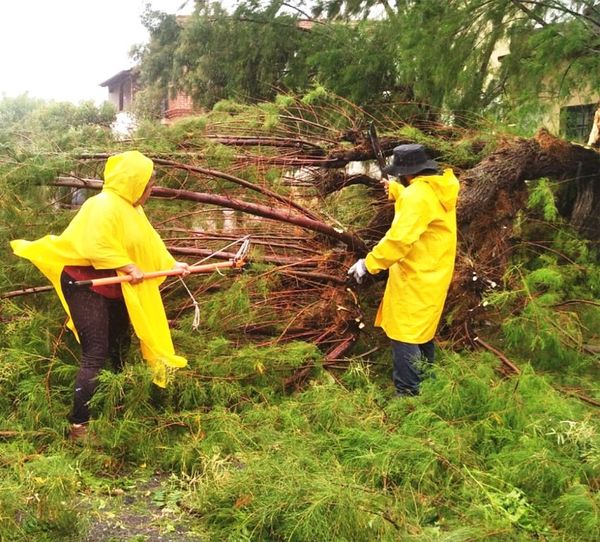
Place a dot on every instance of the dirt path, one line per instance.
(145, 512)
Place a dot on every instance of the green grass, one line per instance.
(475, 457)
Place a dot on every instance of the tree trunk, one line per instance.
(494, 190)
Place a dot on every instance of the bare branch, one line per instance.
(353, 242)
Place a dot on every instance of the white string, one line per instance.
(196, 321)
(240, 240)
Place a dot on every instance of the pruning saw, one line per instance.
(377, 149)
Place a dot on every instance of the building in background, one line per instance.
(122, 88)
(572, 117)
(575, 117)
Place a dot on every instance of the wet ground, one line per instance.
(144, 512)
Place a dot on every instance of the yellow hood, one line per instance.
(445, 187)
(127, 175)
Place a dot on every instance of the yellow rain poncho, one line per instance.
(108, 232)
(419, 251)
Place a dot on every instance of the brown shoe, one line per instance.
(78, 432)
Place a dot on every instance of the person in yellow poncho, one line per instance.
(419, 250)
(110, 235)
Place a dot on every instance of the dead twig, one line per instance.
(500, 355)
(26, 291)
(579, 396)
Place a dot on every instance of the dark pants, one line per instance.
(408, 360)
(104, 333)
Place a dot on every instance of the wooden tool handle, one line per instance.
(206, 268)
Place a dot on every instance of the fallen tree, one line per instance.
(309, 249)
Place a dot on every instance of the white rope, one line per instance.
(196, 321)
(240, 240)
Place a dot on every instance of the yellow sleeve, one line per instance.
(394, 190)
(411, 219)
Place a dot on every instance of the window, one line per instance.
(576, 121)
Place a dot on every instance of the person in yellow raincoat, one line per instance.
(419, 250)
(110, 235)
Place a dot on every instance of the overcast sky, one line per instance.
(63, 49)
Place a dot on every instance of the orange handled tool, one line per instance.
(237, 262)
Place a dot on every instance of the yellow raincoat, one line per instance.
(419, 251)
(108, 232)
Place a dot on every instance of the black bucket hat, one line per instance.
(409, 160)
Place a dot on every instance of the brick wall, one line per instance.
(179, 106)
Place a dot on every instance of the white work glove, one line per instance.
(358, 271)
(183, 266)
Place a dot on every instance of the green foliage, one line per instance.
(148, 103)
(150, 136)
(556, 59)
(284, 100)
(551, 339)
(228, 106)
(271, 115)
(317, 95)
(216, 55)
(232, 302)
(219, 156)
(471, 454)
(53, 116)
(327, 463)
(441, 56)
(543, 311)
(39, 494)
(544, 279)
(577, 510)
(164, 35)
(464, 152)
(346, 206)
(356, 61)
(541, 198)
(29, 126)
